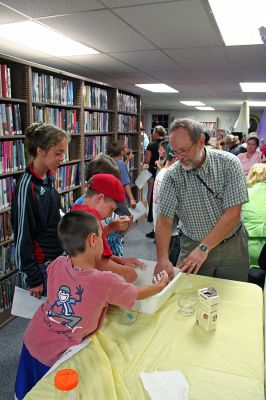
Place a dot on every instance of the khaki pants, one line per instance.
(228, 260)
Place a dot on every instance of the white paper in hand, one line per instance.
(138, 212)
(170, 385)
(142, 178)
(25, 305)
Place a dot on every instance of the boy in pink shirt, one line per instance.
(77, 299)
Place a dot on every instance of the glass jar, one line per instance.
(67, 381)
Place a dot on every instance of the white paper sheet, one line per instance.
(142, 178)
(138, 212)
(25, 305)
(170, 385)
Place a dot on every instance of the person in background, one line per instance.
(145, 138)
(206, 189)
(254, 212)
(174, 246)
(78, 297)
(252, 156)
(162, 155)
(115, 226)
(151, 156)
(233, 144)
(36, 204)
(118, 151)
(104, 195)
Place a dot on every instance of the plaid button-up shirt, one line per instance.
(198, 209)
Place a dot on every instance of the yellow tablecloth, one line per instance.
(225, 364)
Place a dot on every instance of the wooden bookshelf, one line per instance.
(91, 112)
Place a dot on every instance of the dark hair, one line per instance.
(207, 137)
(73, 230)
(164, 144)
(43, 136)
(115, 148)
(255, 139)
(102, 164)
(193, 127)
(160, 130)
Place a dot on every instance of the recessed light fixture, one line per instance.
(157, 87)
(39, 37)
(254, 87)
(257, 103)
(239, 20)
(192, 103)
(205, 108)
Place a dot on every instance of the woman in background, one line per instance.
(251, 157)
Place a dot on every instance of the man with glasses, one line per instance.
(206, 189)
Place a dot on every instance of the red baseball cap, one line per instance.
(110, 186)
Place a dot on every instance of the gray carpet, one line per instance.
(136, 245)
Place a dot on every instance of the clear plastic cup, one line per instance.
(187, 303)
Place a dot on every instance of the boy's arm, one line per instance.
(107, 264)
(147, 291)
(128, 191)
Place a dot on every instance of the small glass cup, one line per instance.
(128, 317)
(187, 304)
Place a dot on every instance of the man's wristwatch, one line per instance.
(203, 247)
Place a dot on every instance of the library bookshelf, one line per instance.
(91, 112)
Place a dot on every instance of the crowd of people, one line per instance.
(208, 208)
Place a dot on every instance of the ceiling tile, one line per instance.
(203, 57)
(7, 16)
(149, 60)
(212, 75)
(123, 3)
(170, 77)
(63, 65)
(101, 30)
(100, 63)
(46, 8)
(247, 56)
(172, 25)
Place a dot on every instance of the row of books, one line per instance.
(5, 81)
(50, 89)
(12, 156)
(60, 117)
(67, 201)
(10, 119)
(5, 227)
(96, 122)
(127, 103)
(95, 97)
(67, 177)
(7, 186)
(7, 259)
(127, 123)
(7, 288)
(129, 141)
(94, 145)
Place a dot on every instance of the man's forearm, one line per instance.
(163, 236)
(223, 226)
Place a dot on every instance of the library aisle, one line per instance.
(12, 333)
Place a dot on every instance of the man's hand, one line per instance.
(132, 203)
(193, 261)
(36, 291)
(164, 265)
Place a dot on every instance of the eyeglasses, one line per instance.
(183, 152)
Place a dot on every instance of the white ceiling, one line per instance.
(148, 41)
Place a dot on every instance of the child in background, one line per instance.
(104, 195)
(78, 297)
(35, 205)
(118, 151)
(162, 155)
(114, 225)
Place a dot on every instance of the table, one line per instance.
(224, 364)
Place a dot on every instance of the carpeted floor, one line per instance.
(136, 245)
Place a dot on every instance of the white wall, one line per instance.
(225, 119)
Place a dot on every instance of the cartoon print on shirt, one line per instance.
(65, 301)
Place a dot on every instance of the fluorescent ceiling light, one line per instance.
(257, 103)
(157, 87)
(254, 87)
(239, 20)
(192, 103)
(41, 38)
(205, 108)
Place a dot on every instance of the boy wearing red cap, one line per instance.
(105, 193)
